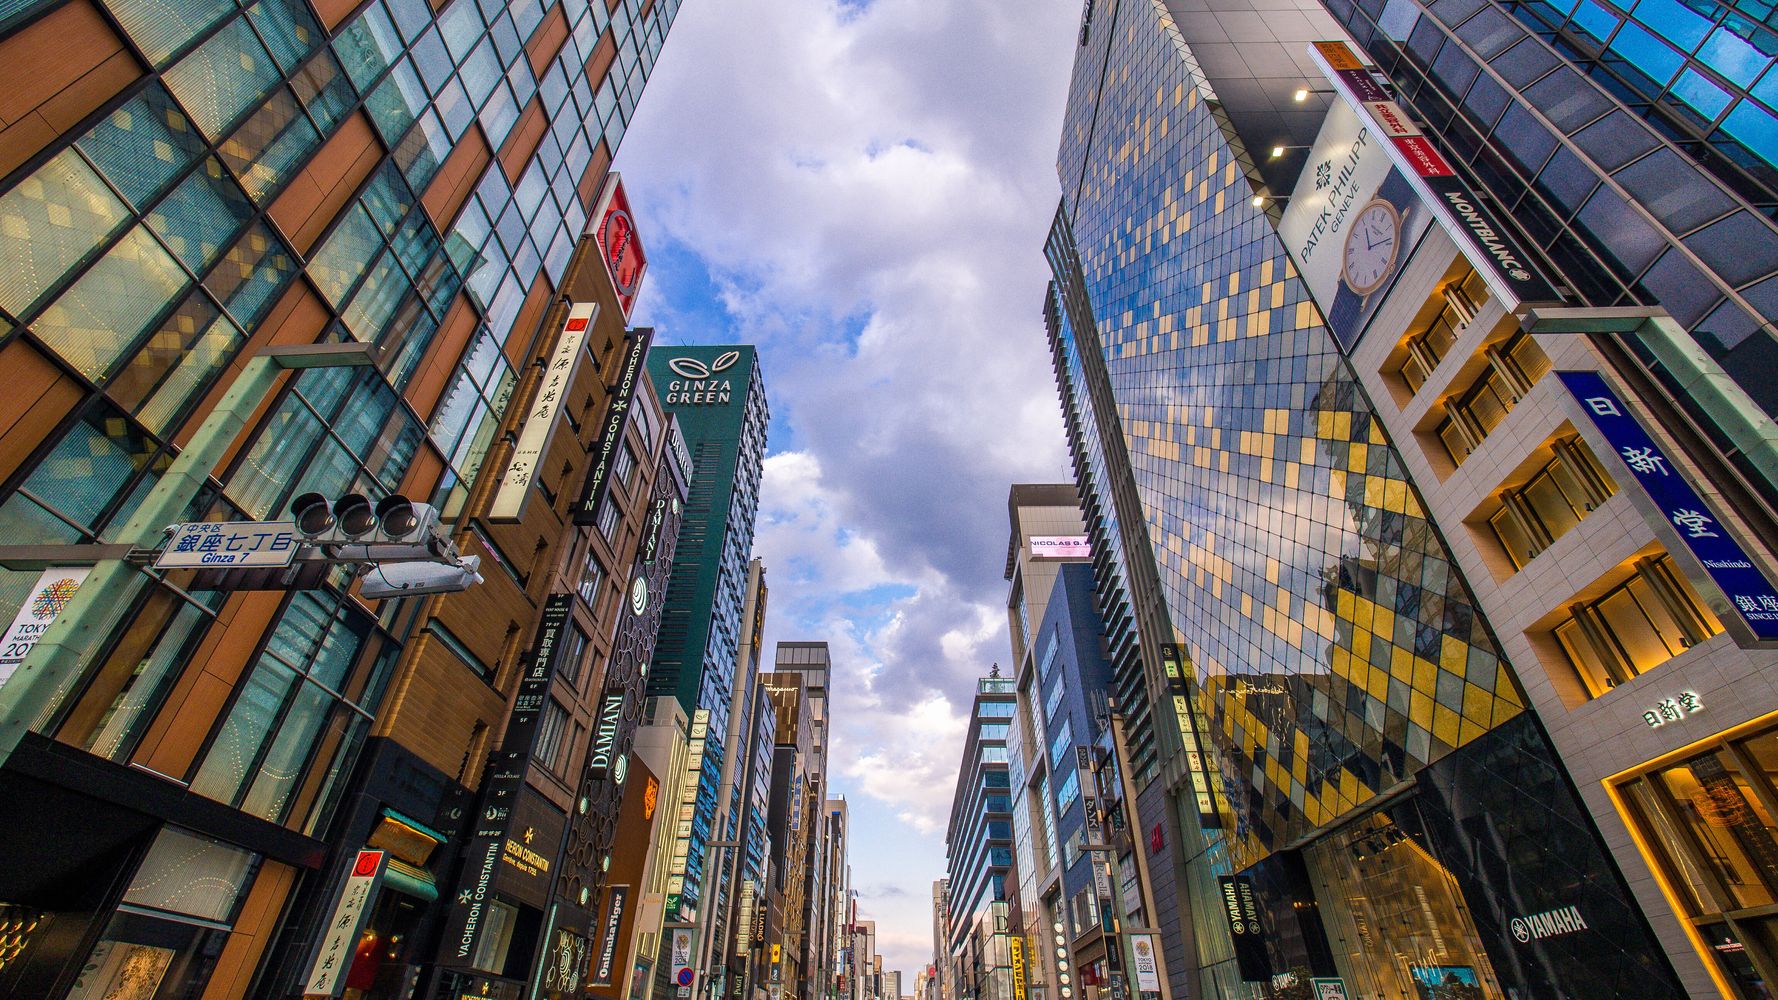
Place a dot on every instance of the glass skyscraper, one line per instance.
(182, 186)
(1324, 687)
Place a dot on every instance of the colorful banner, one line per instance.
(1143, 963)
(48, 597)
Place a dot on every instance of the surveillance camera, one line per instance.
(408, 579)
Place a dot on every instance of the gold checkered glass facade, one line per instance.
(1336, 649)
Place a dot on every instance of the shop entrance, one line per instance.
(1394, 917)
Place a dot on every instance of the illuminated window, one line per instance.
(1636, 626)
(1554, 500)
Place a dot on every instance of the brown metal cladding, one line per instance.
(253, 930)
(59, 69)
(36, 399)
(171, 745)
(321, 189)
(456, 178)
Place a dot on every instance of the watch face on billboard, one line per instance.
(1372, 246)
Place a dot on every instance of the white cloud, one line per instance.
(867, 188)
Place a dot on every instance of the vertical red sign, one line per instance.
(615, 229)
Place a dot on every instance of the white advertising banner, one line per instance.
(540, 422)
(1061, 547)
(52, 592)
(1345, 168)
(1148, 979)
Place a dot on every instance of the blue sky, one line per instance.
(861, 189)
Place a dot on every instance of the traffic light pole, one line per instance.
(55, 663)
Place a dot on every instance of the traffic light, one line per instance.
(394, 529)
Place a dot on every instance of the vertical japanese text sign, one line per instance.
(1751, 599)
(540, 421)
(339, 943)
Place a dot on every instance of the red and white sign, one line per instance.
(341, 941)
(539, 425)
(615, 229)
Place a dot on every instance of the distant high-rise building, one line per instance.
(1046, 533)
(978, 848)
(718, 396)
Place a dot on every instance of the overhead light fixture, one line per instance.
(1302, 93)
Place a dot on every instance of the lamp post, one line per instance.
(55, 663)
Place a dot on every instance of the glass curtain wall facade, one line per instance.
(1633, 143)
(181, 187)
(1332, 656)
(978, 849)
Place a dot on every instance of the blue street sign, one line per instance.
(1751, 596)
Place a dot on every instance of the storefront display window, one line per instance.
(1707, 825)
(164, 938)
(1400, 928)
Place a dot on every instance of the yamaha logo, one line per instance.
(693, 368)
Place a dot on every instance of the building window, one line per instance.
(1067, 792)
(299, 715)
(178, 907)
(1463, 296)
(1054, 701)
(549, 735)
(608, 521)
(1555, 499)
(1513, 368)
(591, 576)
(1707, 825)
(573, 651)
(1059, 743)
(1638, 625)
(623, 465)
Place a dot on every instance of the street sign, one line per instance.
(684, 978)
(236, 544)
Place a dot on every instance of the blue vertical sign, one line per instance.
(1751, 596)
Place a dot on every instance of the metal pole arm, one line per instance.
(54, 665)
